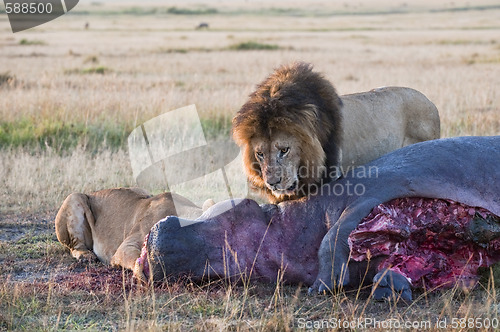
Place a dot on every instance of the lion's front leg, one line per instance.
(127, 253)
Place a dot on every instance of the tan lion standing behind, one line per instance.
(112, 223)
(296, 133)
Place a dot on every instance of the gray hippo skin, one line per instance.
(241, 241)
(284, 241)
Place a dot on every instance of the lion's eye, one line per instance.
(259, 155)
(284, 151)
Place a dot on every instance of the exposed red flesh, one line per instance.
(425, 240)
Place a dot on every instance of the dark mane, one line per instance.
(297, 100)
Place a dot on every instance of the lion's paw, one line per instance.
(84, 256)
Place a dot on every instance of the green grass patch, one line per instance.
(91, 70)
(62, 136)
(36, 246)
(142, 11)
(192, 11)
(216, 126)
(25, 41)
(466, 42)
(30, 246)
(96, 70)
(253, 45)
(185, 50)
(91, 59)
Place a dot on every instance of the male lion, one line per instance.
(112, 223)
(297, 133)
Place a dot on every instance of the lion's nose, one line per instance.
(273, 182)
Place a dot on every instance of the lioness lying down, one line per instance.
(111, 223)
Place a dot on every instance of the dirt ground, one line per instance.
(29, 250)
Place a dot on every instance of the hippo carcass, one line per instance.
(306, 241)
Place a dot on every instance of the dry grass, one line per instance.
(31, 182)
(155, 63)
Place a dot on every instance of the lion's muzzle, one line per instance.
(288, 190)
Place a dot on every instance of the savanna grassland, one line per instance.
(70, 96)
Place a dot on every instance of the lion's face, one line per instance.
(286, 129)
(278, 159)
